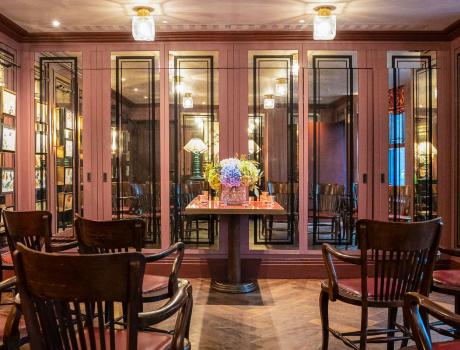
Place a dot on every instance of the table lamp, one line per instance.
(196, 146)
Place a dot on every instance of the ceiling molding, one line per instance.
(21, 35)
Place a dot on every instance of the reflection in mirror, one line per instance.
(58, 158)
(412, 151)
(135, 140)
(194, 142)
(332, 149)
(273, 143)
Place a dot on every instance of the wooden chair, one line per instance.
(99, 237)
(62, 294)
(447, 281)
(395, 258)
(416, 304)
(33, 229)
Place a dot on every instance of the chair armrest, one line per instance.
(328, 253)
(177, 301)
(179, 247)
(7, 284)
(413, 302)
(450, 251)
(59, 247)
(11, 334)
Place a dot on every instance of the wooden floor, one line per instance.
(283, 314)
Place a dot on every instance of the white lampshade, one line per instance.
(281, 87)
(143, 24)
(324, 24)
(269, 102)
(425, 148)
(196, 145)
(187, 100)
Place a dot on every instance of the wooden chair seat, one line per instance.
(350, 291)
(447, 279)
(449, 345)
(7, 260)
(154, 283)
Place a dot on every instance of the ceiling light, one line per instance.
(187, 101)
(269, 102)
(136, 89)
(143, 24)
(55, 23)
(301, 21)
(179, 84)
(123, 79)
(145, 97)
(165, 21)
(324, 25)
(281, 87)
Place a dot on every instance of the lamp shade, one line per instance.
(425, 148)
(269, 102)
(143, 24)
(187, 100)
(324, 24)
(196, 145)
(281, 87)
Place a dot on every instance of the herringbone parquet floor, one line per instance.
(283, 314)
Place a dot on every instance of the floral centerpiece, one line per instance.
(232, 178)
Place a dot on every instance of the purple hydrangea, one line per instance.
(230, 174)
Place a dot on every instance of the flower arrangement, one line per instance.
(233, 172)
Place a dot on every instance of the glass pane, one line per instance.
(194, 141)
(136, 139)
(332, 148)
(8, 103)
(58, 157)
(412, 151)
(273, 143)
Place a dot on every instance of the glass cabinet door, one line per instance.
(58, 158)
(273, 142)
(194, 141)
(412, 141)
(135, 139)
(332, 148)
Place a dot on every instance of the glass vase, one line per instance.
(237, 195)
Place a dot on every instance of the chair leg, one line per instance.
(364, 319)
(392, 313)
(324, 310)
(457, 304)
(407, 326)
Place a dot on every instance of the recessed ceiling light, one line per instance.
(302, 21)
(55, 23)
(123, 79)
(165, 21)
(136, 89)
(145, 97)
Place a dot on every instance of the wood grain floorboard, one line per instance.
(282, 314)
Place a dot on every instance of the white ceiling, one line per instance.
(204, 15)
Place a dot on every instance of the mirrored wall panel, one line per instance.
(194, 141)
(273, 142)
(8, 115)
(135, 139)
(412, 139)
(332, 148)
(58, 158)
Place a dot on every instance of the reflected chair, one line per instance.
(288, 198)
(401, 202)
(395, 258)
(415, 305)
(99, 237)
(61, 295)
(327, 214)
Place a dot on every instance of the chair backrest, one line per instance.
(31, 228)
(329, 196)
(96, 237)
(60, 294)
(403, 256)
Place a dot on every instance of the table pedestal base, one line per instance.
(234, 288)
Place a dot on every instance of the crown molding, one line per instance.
(19, 34)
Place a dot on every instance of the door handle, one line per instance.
(382, 178)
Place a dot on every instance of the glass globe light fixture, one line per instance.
(281, 87)
(187, 101)
(269, 102)
(143, 24)
(324, 24)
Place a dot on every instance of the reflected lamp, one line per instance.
(143, 24)
(269, 102)
(187, 101)
(324, 23)
(196, 147)
(281, 87)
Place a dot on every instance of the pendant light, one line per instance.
(324, 25)
(281, 87)
(143, 24)
(269, 102)
(187, 100)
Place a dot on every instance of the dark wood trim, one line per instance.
(19, 34)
